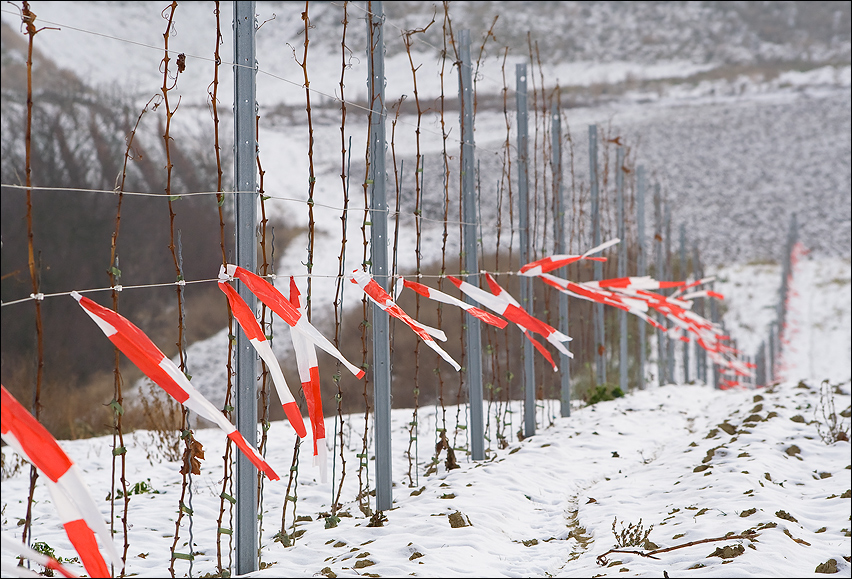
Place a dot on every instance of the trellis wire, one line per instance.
(389, 212)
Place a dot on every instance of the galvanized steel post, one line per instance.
(622, 266)
(472, 334)
(523, 226)
(660, 274)
(700, 353)
(760, 378)
(559, 235)
(600, 347)
(684, 269)
(640, 262)
(714, 317)
(379, 253)
(245, 204)
(772, 346)
(670, 358)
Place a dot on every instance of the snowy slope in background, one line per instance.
(734, 155)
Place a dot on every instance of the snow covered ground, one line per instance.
(693, 462)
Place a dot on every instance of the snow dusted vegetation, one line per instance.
(740, 113)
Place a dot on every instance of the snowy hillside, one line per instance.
(734, 149)
(739, 122)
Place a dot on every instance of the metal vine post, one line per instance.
(547, 375)
(461, 375)
(245, 230)
(641, 262)
(377, 178)
(526, 299)
(622, 267)
(559, 247)
(667, 225)
(684, 269)
(506, 180)
(470, 234)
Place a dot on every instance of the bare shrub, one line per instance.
(162, 424)
(831, 425)
(632, 536)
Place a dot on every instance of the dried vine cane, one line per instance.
(224, 495)
(495, 385)
(193, 451)
(535, 108)
(282, 536)
(441, 431)
(451, 463)
(507, 178)
(398, 178)
(338, 295)
(418, 192)
(267, 330)
(118, 448)
(169, 84)
(488, 34)
(28, 18)
(311, 175)
(541, 116)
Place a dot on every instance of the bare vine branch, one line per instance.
(748, 535)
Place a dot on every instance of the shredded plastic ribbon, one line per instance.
(306, 360)
(158, 367)
(306, 338)
(76, 508)
(440, 296)
(501, 302)
(381, 298)
(552, 262)
(253, 331)
(270, 296)
(632, 294)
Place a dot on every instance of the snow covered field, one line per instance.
(693, 462)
